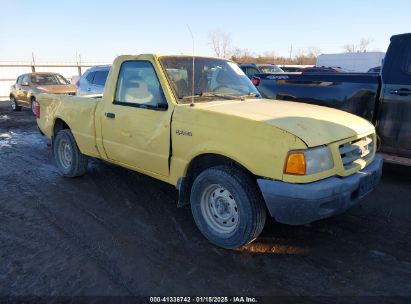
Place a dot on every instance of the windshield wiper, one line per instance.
(226, 96)
(213, 94)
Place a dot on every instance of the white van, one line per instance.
(352, 62)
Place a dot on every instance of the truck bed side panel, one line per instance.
(77, 112)
(356, 93)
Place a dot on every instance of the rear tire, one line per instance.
(69, 160)
(33, 104)
(227, 206)
(14, 105)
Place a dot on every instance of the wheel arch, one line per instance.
(197, 165)
(59, 124)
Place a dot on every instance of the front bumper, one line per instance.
(299, 204)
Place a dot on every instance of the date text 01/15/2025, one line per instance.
(240, 299)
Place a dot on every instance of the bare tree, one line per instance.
(349, 48)
(364, 43)
(269, 56)
(357, 48)
(242, 55)
(220, 42)
(302, 56)
(313, 51)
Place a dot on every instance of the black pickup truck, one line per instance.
(384, 99)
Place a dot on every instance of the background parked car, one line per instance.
(93, 80)
(269, 68)
(290, 69)
(23, 93)
(250, 69)
(352, 62)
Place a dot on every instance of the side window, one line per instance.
(406, 64)
(20, 79)
(138, 85)
(100, 78)
(397, 62)
(90, 77)
(25, 79)
(250, 72)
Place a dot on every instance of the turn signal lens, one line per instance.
(295, 163)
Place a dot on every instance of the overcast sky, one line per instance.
(101, 30)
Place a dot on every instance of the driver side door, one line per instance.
(136, 124)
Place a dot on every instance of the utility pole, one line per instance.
(79, 64)
(33, 67)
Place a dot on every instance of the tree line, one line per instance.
(221, 44)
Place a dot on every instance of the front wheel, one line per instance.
(227, 207)
(69, 160)
(14, 105)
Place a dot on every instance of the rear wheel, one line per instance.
(33, 105)
(14, 105)
(227, 206)
(69, 160)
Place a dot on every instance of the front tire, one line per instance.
(227, 207)
(14, 105)
(69, 160)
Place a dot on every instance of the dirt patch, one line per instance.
(117, 232)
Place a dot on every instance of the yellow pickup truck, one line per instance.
(199, 123)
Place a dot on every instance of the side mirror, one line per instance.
(24, 83)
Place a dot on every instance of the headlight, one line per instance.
(310, 161)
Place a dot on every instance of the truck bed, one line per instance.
(74, 112)
(356, 93)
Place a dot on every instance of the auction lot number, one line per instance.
(203, 300)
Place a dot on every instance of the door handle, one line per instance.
(110, 115)
(88, 89)
(401, 92)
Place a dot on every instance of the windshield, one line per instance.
(48, 79)
(271, 69)
(213, 79)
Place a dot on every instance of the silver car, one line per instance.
(93, 80)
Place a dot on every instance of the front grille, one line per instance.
(351, 152)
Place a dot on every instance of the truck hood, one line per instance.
(315, 125)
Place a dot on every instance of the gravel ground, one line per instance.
(117, 232)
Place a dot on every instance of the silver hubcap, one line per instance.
(219, 209)
(65, 154)
(13, 103)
